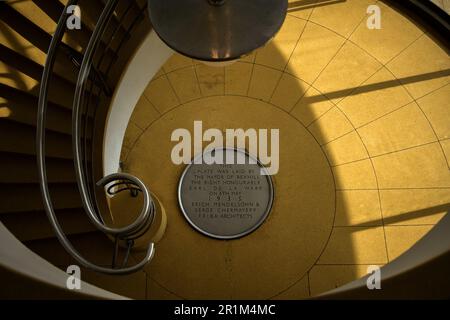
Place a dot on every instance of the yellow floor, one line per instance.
(365, 153)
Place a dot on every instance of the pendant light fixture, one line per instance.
(216, 30)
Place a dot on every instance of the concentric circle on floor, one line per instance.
(273, 257)
(376, 101)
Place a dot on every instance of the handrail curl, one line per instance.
(147, 213)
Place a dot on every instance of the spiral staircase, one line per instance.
(27, 29)
(27, 32)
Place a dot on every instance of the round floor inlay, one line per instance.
(223, 199)
(292, 237)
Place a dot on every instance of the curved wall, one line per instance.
(25, 275)
(147, 60)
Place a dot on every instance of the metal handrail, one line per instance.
(147, 213)
(99, 76)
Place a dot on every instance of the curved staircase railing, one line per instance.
(90, 77)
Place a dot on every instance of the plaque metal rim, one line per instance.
(246, 232)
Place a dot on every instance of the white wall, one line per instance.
(19, 259)
(146, 62)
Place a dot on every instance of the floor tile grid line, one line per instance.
(149, 277)
(385, 154)
(191, 63)
(311, 86)
(394, 189)
(317, 77)
(198, 81)
(348, 40)
(173, 88)
(335, 205)
(392, 152)
(125, 158)
(338, 137)
(389, 225)
(408, 148)
(289, 58)
(377, 179)
(216, 95)
(371, 226)
(139, 128)
(432, 128)
(439, 141)
(251, 72)
(374, 120)
(152, 105)
(380, 117)
(185, 67)
(367, 151)
(157, 77)
(331, 60)
(335, 104)
(161, 71)
(416, 100)
(285, 67)
(363, 225)
(306, 275)
(397, 109)
(335, 202)
(383, 65)
(246, 62)
(224, 81)
(239, 61)
(377, 184)
(424, 114)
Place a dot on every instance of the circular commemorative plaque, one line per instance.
(225, 194)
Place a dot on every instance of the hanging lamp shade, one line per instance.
(216, 30)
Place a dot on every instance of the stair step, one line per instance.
(94, 246)
(53, 10)
(21, 138)
(34, 225)
(62, 90)
(20, 168)
(38, 37)
(80, 37)
(23, 106)
(35, 14)
(27, 197)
